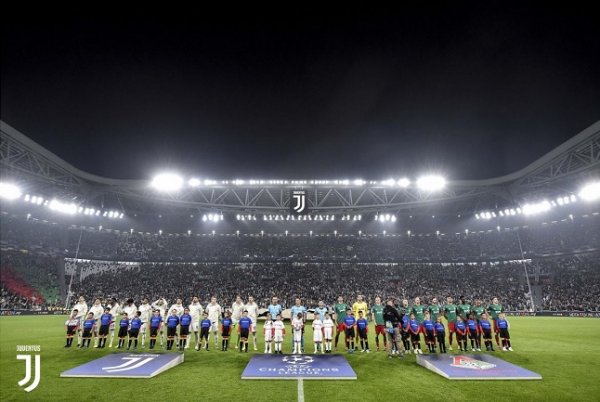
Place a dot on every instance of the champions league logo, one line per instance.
(470, 363)
(291, 367)
(294, 360)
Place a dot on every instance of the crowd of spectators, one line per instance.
(312, 267)
(561, 237)
(326, 281)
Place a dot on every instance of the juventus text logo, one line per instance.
(298, 202)
(27, 378)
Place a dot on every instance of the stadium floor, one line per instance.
(565, 351)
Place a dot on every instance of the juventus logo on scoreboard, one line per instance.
(298, 202)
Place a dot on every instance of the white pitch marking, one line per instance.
(300, 390)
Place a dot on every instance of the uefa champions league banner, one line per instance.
(127, 365)
(475, 367)
(295, 367)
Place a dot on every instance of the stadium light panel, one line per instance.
(9, 191)
(194, 182)
(389, 182)
(27, 196)
(62, 207)
(359, 182)
(167, 182)
(404, 182)
(590, 192)
(431, 183)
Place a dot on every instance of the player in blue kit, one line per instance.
(503, 326)
(414, 328)
(89, 325)
(226, 325)
(184, 328)
(363, 328)
(172, 323)
(245, 323)
(274, 308)
(105, 320)
(123, 326)
(473, 328)
(485, 328)
(205, 325)
(349, 323)
(429, 329)
(134, 330)
(440, 334)
(404, 333)
(155, 326)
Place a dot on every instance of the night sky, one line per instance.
(473, 91)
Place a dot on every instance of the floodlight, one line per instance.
(404, 182)
(167, 182)
(9, 191)
(359, 182)
(194, 182)
(65, 208)
(590, 192)
(431, 183)
(388, 182)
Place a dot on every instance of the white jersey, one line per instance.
(279, 330)
(178, 308)
(161, 305)
(146, 311)
(252, 310)
(317, 330)
(214, 312)
(268, 328)
(115, 310)
(97, 310)
(195, 311)
(82, 310)
(328, 328)
(297, 324)
(130, 310)
(236, 312)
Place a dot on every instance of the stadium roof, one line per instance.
(38, 170)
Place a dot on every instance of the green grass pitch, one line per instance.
(565, 351)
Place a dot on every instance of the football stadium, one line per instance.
(302, 248)
(165, 233)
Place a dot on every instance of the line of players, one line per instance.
(152, 319)
(399, 323)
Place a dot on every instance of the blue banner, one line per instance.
(127, 365)
(295, 367)
(475, 367)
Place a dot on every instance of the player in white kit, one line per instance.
(268, 332)
(82, 310)
(252, 309)
(146, 310)
(278, 333)
(195, 311)
(297, 325)
(236, 313)
(97, 310)
(214, 315)
(328, 326)
(161, 305)
(317, 326)
(115, 310)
